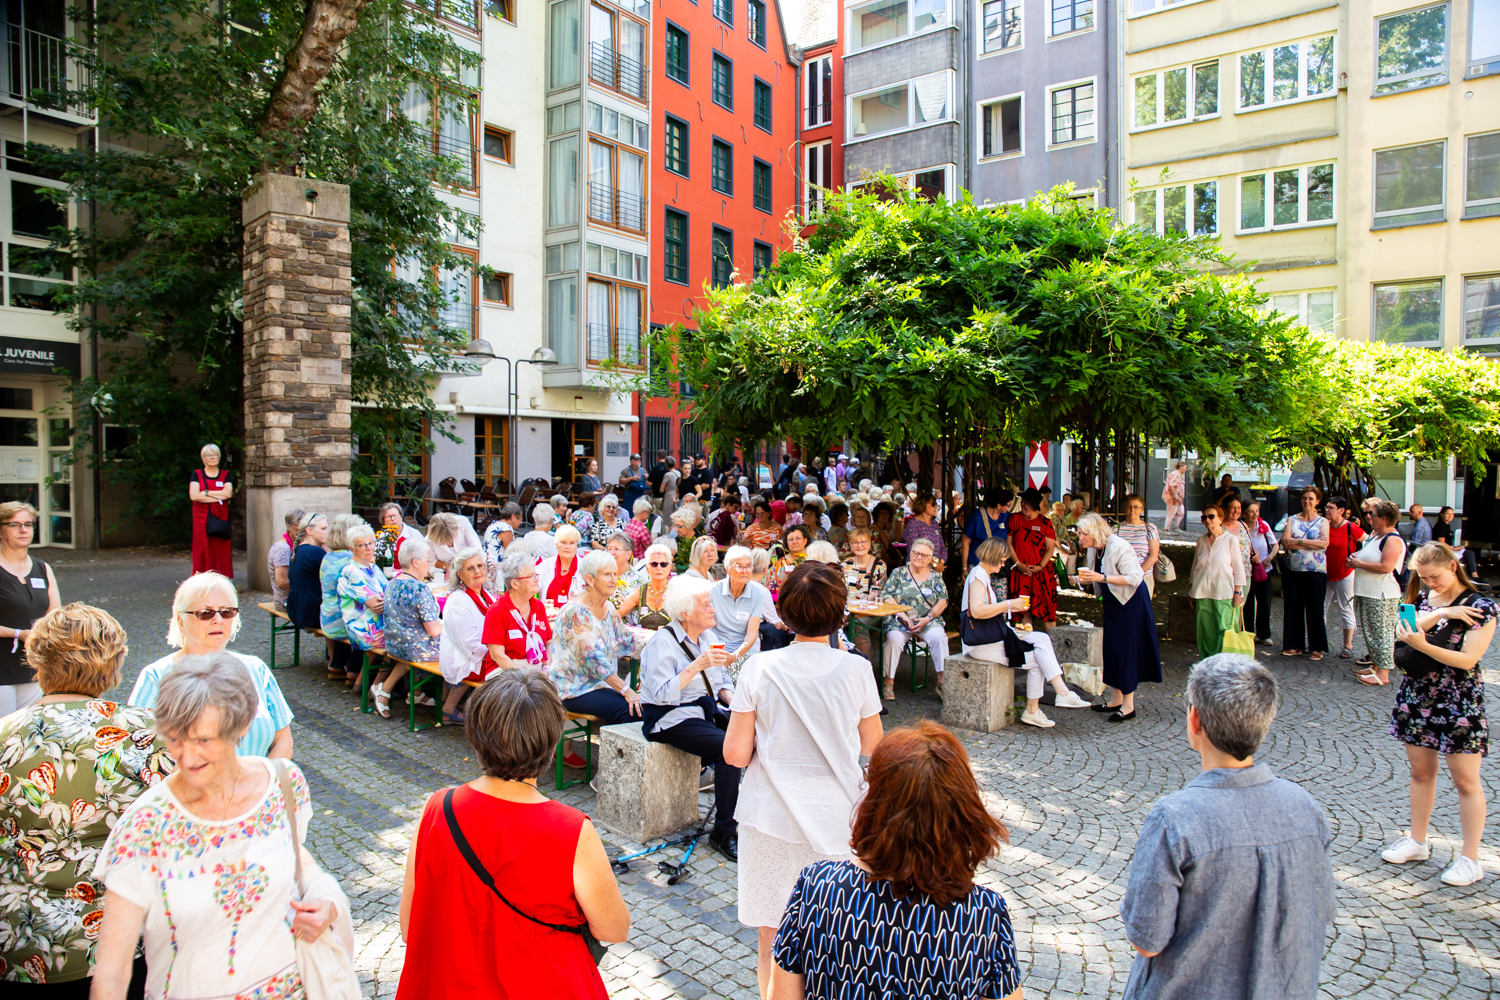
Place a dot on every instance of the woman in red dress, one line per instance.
(462, 940)
(210, 489)
(516, 629)
(1034, 544)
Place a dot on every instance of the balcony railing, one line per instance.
(615, 343)
(461, 148)
(35, 68)
(610, 68)
(617, 208)
(819, 114)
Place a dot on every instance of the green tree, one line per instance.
(195, 98)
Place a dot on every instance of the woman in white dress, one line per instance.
(800, 719)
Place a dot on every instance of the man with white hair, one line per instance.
(1231, 888)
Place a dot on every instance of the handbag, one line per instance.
(217, 527)
(1164, 571)
(326, 967)
(1237, 640)
(981, 631)
(596, 949)
(1415, 663)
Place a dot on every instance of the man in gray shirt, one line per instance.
(1231, 887)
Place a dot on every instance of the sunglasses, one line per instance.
(207, 614)
(1210, 517)
(658, 565)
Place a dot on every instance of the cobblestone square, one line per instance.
(1073, 798)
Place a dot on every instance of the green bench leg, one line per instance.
(416, 681)
(364, 681)
(577, 729)
(922, 653)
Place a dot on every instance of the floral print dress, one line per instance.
(408, 604)
(782, 570)
(1444, 710)
(902, 588)
(586, 651)
(68, 771)
(357, 585)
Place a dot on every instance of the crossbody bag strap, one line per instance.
(484, 876)
(289, 801)
(691, 657)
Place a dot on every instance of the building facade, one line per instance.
(816, 32)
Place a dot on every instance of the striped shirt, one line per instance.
(271, 711)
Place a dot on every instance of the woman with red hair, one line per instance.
(904, 917)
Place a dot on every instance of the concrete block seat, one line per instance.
(645, 789)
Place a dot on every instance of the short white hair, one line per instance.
(196, 589)
(543, 514)
(925, 543)
(822, 552)
(641, 504)
(194, 683)
(415, 548)
(210, 447)
(558, 498)
(456, 566)
(1095, 525)
(663, 549)
(595, 562)
(685, 515)
(516, 560)
(567, 533)
(737, 552)
(682, 594)
(610, 500)
(359, 533)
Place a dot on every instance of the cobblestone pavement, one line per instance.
(1073, 798)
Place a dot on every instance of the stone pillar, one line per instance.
(297, 297)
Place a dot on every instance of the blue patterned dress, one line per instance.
(408, 604)
(357, 585)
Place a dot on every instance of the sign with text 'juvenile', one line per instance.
(38, 357)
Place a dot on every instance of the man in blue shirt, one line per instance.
(1231, 888)
(991, 521)
(1421, 531)
(634, 480)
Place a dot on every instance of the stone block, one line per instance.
(1078, 645)
(645, 789)
(265, 517)
(977, 694)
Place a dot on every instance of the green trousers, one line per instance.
(1214, 619)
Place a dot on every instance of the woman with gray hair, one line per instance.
(279, 558)
(516, 628)
(204, 864)
(344, 658)
(637, 529)
(461, 653)
(449, 533)
(413, 623)
(591, 640)
(1131, 651)
(210, 489)
(702, 557)
(362, 591)
(543, 518)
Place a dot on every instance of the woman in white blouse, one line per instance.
(800, 719)
(1218, 586)
(1132, 654)
(462, 650)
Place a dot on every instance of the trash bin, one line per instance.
(1272, 500)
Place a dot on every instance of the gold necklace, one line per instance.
(229, 796)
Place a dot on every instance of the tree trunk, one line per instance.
(294, 100)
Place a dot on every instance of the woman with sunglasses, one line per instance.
(28, 591)
(1218, 587)
(205, 618)
(644, 607)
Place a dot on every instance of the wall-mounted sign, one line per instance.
(323, 371)
(38, 357)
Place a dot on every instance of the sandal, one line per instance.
(456, 719)
(1315, 655)
(335, 673)
(1347, 654)
(1372, 679)
(382, 699)
(1291, 652)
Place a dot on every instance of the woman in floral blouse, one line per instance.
(70, 765)
(362, 591)
(413, 623)
(583, 519)
(795, 539)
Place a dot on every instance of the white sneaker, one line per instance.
(1463, 871)
(1405, 850)
(1037, 719)
(1070, 700)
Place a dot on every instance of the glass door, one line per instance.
(59, 512)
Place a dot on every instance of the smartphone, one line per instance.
(1409, 615)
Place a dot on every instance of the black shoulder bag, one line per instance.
(217, 527)
(1415, 663)
(596, 949)
(983, 631)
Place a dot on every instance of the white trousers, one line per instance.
(1176, 515)
(14, 697)
(1343, 592)
(934, 635)
(1041, 662)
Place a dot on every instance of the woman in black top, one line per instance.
(28, 590)
(304, 591)
(1444, 530)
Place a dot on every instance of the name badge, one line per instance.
(515, 633)
(38, 584)
(742, 616)
(926, 591)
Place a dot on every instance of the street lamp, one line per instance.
(480, 353)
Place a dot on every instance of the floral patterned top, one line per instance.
(902, 588)
(331, 612)
(357, 584)
(408, 603)
(586, 650)
(864, 583)
(216, 893)
(583, 520)
(915, 529)
(68, 770)
(1308, 560)
(782, 570)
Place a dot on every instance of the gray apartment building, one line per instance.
(1042, 106)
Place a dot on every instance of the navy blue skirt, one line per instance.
(1132, 654)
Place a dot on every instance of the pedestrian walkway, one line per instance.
(1073, 797)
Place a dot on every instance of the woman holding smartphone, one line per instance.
(1377, 595)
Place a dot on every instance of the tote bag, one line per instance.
(1237, 640)
(327, 969)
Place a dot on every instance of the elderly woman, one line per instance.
(739, 606)
(1033, 544)
(205, 619)
(684, 690)
(1218, 586)
(413, 623)
(392, 534)
(557, 578)
(920, 587)
(1132, 653)
(862, 518)
(28, 591)
(584, 519)
(462, 653)
(448, 533)
(559, 507)
(684, 525)
(279, 558)
(627, 576)
(763, 532)
(801, 718)
(500, 533)
(638, 528)
(203, 864)
(591, 640)
(362, 593)
(83, 745)
(1377, 595)
(345, 657)
(902, 878)
(796, 538)
(516, 627)
(864, 574)
(704, 555)
(210, 490)
(464, 940)
(608, 524)
(540, 537)
(644, 607)
(923, 524)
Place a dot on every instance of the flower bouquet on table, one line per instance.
(386, 538)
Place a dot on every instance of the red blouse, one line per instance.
(505, 626)
(557, 590)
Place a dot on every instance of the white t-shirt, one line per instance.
(543, 544)
(1379, 585)
(805, 778)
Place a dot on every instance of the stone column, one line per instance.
(297, 296)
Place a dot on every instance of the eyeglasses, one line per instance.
(658, 565)
(208, 614)
(520, 579)
(27, 525)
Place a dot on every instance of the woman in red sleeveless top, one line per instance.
(545, 858)
(209, 489)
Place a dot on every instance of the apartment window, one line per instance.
(1002, 127)
(1313, 309)
(675, 145)
(1073, 113)
(563, 31)
(817, 177)
(888, 20)
(1002, 25)
(1409, 185)
(617, 186)
(562, 316)
(723, 258)
(674, 262)
(677, 54)
(616, 316)
(1482, 310)
(755, 22)
(1180, 209)
(723, 82)
(464, 12)
(762, 105)
(459, 286)
(503, 9)
(1175, 96)
(930, 184)
(617, 51)
(761, 193)
(724, 11)
(1147, 6)
(562, 257)
(760, 259)
(819, 106)
(562, 181)
(916, 102)
(1072, 15)
(601, 259)
(721, 168)
(448, 127)
(1484, 38)
(1482, 175)
(1411, 50)
(33, 275)
(496, 288)
(1410, 312)
(499, 143)
(613, 125)
(1286, 73)
(490, 450)
(1284, 198)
